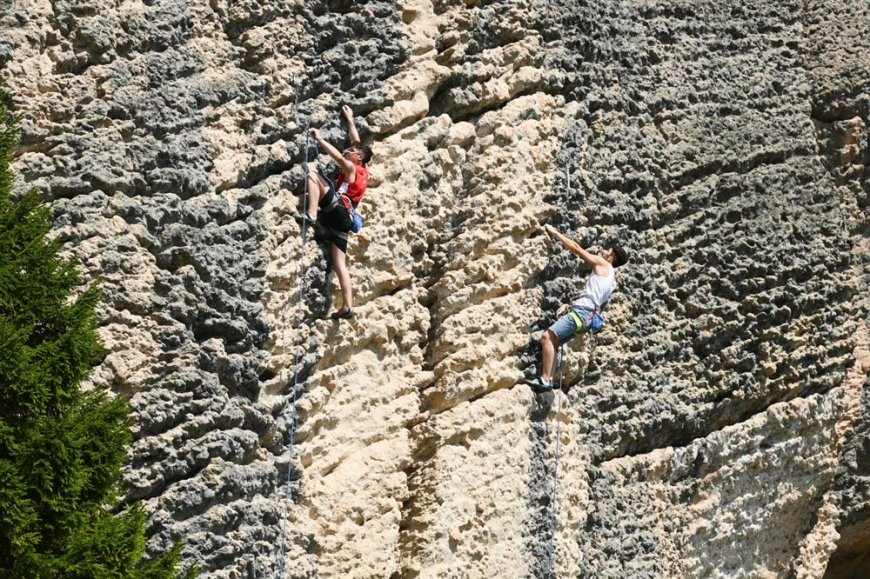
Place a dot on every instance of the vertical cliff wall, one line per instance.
(716, 427)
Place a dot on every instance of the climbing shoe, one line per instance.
(303, 218)
(539, 385)
(342, 314)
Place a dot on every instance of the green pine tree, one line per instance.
(61, 449)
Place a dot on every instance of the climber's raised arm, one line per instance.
(352, 133)
(348, 169)
(598, 263)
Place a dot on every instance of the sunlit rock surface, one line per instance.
(717, 427)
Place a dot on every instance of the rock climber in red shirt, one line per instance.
(335, 202)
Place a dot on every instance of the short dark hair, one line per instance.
(620, 256)
(367, 153)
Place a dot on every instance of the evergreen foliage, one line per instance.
(61, 449)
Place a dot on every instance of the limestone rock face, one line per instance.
(716, 427)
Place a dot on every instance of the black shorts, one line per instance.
(336, 218)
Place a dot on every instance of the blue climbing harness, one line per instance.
(593, 323)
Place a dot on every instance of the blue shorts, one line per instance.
(566, 327)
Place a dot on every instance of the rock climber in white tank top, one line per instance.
(598, 290)
(585, 313)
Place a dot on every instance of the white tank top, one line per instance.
(597, 291)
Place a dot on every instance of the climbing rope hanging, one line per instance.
(551, 562)
(295, 413)
(301, 300)
(557, 392)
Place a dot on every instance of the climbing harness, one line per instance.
(295, 414)
(593, 323)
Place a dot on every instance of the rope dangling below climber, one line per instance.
(294, 419)
(551, 560)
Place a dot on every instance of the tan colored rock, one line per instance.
(714, 427)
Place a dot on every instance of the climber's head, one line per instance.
(358, 154)
(616, 255)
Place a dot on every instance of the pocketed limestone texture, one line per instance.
(716, 427)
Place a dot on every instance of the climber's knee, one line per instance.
(314, 185)
(549, 338)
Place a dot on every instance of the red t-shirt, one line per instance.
(355, 190)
